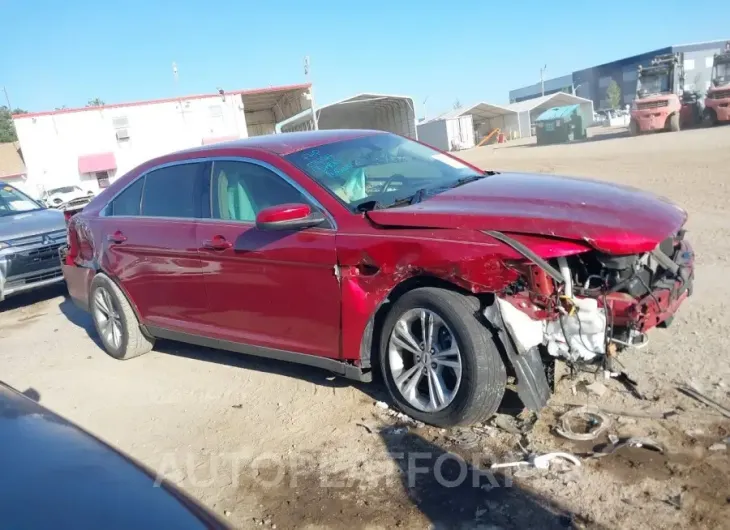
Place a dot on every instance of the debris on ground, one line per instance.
(717, 447)
(675, 500)
(395, 431)
(692, 392)
(540, 461)
(365, 426)
(597, 388)
(465, 438)
(631, 385)
(382, 405)
(506, 423)
(583, 423)
(636, 441)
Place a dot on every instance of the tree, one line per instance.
(96, 102)
(613, 94)
(62, 107)
(457, 103)
(7, 129)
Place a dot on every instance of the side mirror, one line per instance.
(288, 217)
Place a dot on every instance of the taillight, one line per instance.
(72, 238)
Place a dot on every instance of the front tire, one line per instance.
(115, 321)
(634, 128)
(674, 122)
(439, 362)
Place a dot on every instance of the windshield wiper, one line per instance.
(471, 178)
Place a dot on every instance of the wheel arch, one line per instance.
(369, 339)
(98, 269)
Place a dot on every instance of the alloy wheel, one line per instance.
(424, 360)
(107, 317)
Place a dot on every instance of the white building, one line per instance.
(91, 146)
(448, 134)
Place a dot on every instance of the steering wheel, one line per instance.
(396, 177)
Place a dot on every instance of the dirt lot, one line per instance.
(269, 444)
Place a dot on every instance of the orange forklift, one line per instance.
(717, 100)
(661, 102)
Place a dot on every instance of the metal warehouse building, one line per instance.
(592, 83)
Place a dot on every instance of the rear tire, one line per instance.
(709, 118)
(634, 128)
(115, 321)
(674, 122)
(482, 372)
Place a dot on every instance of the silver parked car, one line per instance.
(30, 237)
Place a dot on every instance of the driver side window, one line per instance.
(240, 190)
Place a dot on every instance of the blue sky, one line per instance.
(67, 52)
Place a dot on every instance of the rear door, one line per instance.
(273, 289)
(150, 246)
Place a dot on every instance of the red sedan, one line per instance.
(350, 250)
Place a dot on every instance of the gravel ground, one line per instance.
(269, 444)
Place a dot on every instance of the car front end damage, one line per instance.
(587, 307)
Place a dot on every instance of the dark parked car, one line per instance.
(347, 249)
(56, 475)
(30, 237)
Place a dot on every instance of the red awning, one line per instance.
(97, 162)
(218, 139)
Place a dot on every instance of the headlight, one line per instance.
(4, 245)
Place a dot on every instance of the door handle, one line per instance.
(116, 237)
(217, 243)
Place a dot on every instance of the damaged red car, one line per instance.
(357, 251)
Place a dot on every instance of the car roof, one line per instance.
(287, 143)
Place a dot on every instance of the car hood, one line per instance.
(31, 223)
(610, 218)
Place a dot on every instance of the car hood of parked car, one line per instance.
(56, 475)
(610, 218)
(31, 223)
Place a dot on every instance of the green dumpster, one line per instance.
(559, 125)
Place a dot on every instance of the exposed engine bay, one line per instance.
(587, 307)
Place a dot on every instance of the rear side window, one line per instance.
(127, 202)
(174, 191)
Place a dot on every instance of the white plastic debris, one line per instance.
(540, 461)
(381, 405)
(525, 331)
(579, 335)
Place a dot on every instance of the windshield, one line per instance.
(65, 189)
(13, 201)
(655, 83)
(721, 73)
(381, 168)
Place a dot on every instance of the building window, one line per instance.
(102, 178)
(604, 81)
(629, 75)
(689, 64)
(121, 129)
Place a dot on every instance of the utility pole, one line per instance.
(315, 120)
(7, 99)
(542, 80)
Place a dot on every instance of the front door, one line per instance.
(149, 235)
(273, 289)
